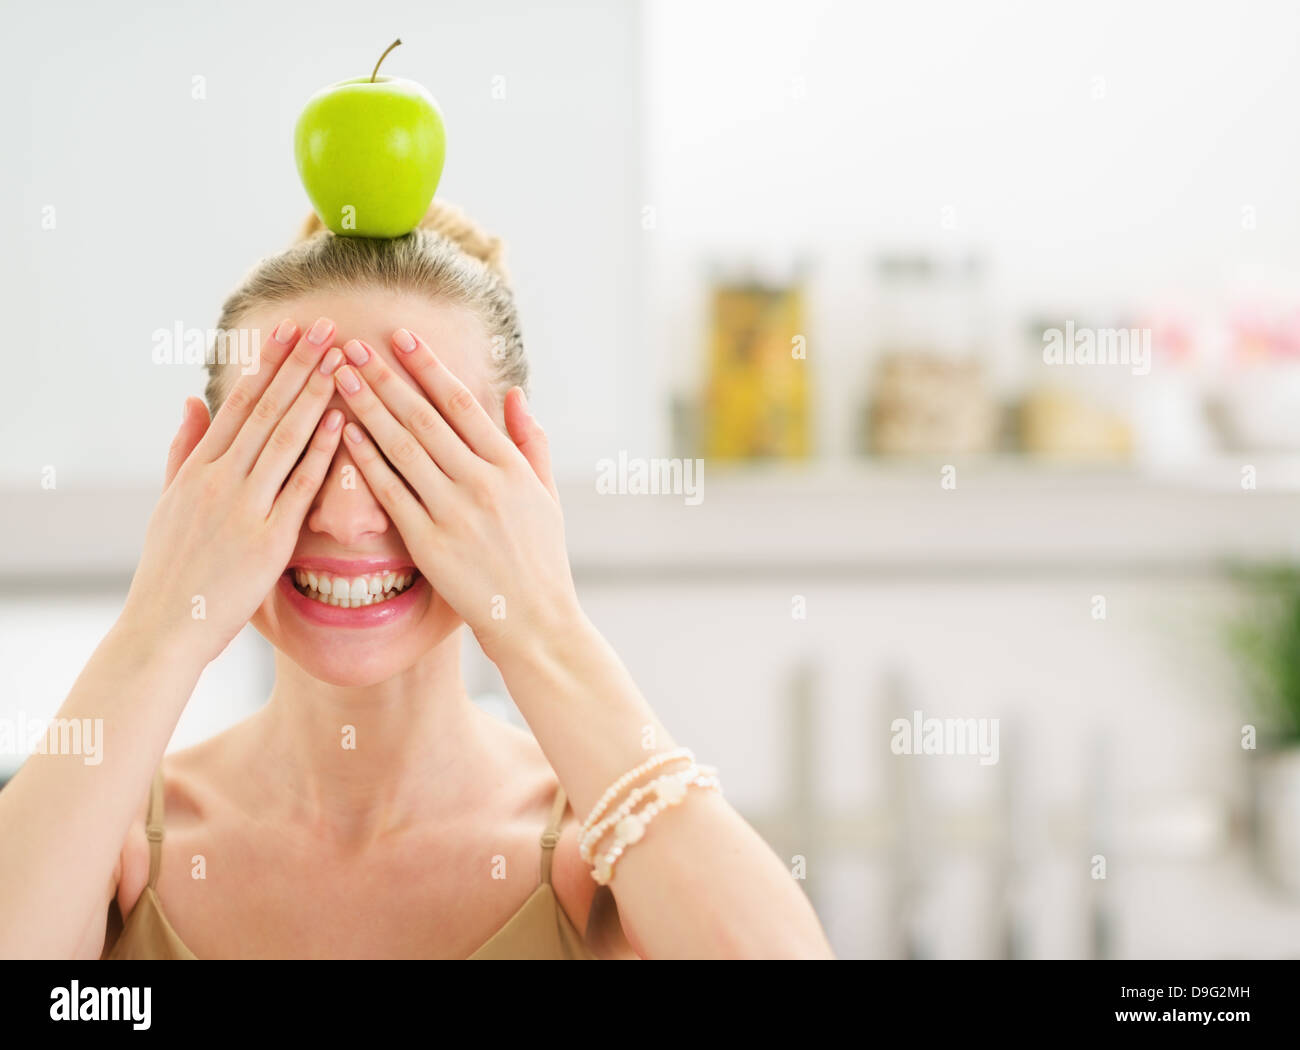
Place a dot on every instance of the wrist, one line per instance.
(146, 642)
(542, 640)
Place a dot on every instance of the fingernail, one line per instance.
(353, 432)
(348, 380)
(185, 410)
(356, 351)
(320, 331)
(332, 419)
(404, 340)
(285, 331)
(523, 400)
(332, 360)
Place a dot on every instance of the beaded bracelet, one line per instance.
(592, 836)
(654, 762)
(631, 829)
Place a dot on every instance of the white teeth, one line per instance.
(354, 592)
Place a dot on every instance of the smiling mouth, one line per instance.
(352, 592)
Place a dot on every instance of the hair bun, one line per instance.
(450, 222)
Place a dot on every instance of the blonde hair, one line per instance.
(446, 257)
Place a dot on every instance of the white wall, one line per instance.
(163, 201)
(1100, 153)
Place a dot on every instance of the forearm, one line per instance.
(64, 817)
(702, 882)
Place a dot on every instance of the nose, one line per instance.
(345, 509)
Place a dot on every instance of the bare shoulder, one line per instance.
(132, 870)
(133, 864)
(591, 908)
(183, 780)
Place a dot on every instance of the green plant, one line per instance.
(1266, 642)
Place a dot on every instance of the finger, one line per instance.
(406, 512)
(280, 395)
(529, 438)
(413, 410)
(291, 434)
(295, 499)
(248, 388)
(452, 398)
(404, 452)
(194, 424)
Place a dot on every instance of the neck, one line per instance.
(355, 762)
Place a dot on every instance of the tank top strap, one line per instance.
(552, 833)
(154, 826)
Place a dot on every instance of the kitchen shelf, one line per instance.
(1004, 515)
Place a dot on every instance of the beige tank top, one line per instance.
(540, 929)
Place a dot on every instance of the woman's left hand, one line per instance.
(482, 521)
(481, 516)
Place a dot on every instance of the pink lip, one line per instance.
(364, 615)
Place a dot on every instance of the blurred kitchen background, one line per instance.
(822, 247)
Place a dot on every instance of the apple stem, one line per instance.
(381, 59)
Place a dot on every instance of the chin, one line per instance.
(359, 646)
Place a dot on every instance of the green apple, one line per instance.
(370, 154)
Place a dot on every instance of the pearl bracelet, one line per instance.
(631, 829)
(592, 836)
(654, 762)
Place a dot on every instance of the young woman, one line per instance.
(375, 484)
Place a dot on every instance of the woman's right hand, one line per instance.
(236, 495)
